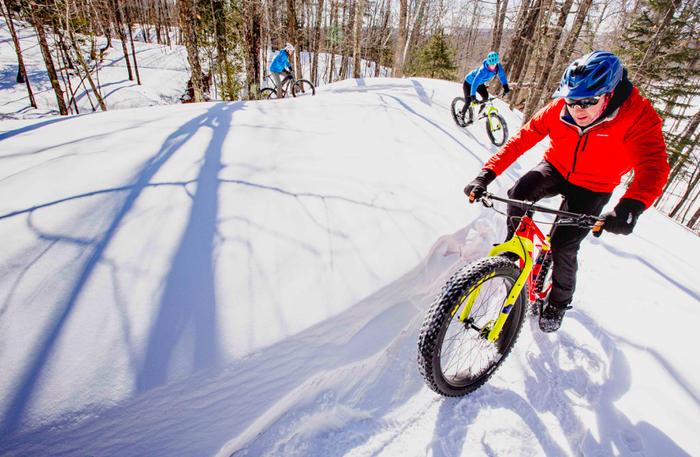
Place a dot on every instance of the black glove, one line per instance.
(506, 89)
(623, 218)
(479, 184)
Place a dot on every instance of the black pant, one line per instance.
(545, 181)
(480, 89)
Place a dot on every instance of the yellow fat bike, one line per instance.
(496, 127)
(473, 323)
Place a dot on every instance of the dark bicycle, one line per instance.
(297, 87)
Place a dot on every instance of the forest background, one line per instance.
(230, 42)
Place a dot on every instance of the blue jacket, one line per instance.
(281, 62)
(482, 75)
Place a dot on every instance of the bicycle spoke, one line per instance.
(466, 354)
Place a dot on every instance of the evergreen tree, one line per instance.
(661, 49)
(662, 54)
(435, 59)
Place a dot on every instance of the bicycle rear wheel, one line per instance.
(303, 87)
(454, 357)
(457, 107)
(268, 93)
(496, 128)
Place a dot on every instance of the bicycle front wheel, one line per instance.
(303, 87)
(268, 93)
(454, 356)
(496, 128)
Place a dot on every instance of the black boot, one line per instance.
(552, 315)
(466, 115)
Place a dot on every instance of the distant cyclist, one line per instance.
(600, 127)
(475, 81)
(281, 67)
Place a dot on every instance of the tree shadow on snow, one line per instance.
(692, 293)
(195, 249)
(550, 391)
(346, 364)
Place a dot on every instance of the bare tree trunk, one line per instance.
(640, 68)
(357, 37)
(521, 48)
(568, 48)
(694, 220)
(401, 39)
(677, 160)
(292, 30)
(499, 20)
(22, 76)
(317, 42)
(348, 27)
(689, 206)
(536, 95)
(253, 43)
(515, 42)
(133, 50)
(187, 13)
(691, 186)
(81, 61)
(118, 25)
(384, 37)
(48, 60)
(334, 38)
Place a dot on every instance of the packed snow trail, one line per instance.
(250, 278)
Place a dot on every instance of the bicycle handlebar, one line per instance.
(594, 223)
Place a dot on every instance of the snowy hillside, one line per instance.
(164, 74)
(249, 279)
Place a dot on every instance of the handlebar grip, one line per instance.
(598, 228)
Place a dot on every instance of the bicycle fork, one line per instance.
(522, 247)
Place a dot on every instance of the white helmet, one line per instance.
(289, 47)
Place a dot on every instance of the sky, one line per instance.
(250, 278)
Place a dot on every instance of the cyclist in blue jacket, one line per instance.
(281, 67)
(475, 81)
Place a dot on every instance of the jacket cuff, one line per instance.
(487, 175)
(630, 205)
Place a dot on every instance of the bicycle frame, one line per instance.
(489, 109)
(526, 240)
(285, 84)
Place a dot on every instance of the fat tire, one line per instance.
(504, 126)
(268, 93)
(439, 315)
(301, 88)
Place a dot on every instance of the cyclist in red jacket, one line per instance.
(599, 128)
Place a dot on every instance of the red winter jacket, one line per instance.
(597, 157)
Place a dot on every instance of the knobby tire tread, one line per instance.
(439, 316)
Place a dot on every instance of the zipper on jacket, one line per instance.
(585, 142)
(573, 167)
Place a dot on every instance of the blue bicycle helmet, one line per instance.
(591, 75)
(492, 58)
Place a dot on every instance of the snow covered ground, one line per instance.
(249, 279)
(164, 74)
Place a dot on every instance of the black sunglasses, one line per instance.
(582, 103)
